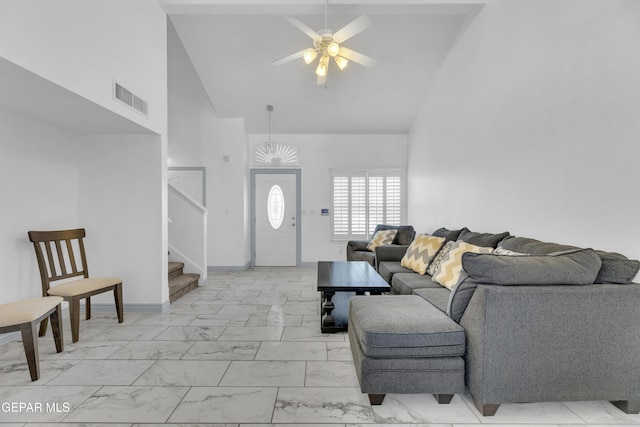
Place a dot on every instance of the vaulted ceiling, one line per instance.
(232, 45)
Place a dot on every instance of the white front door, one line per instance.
(276, 222)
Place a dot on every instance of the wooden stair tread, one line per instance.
(181, 285)
(175, 269)
(183, 279)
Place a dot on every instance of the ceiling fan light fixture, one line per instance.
(322, 66)
(333, 49)
(341, 62)
(309, 55)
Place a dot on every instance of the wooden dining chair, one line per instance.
(61, 257)
(24, 316)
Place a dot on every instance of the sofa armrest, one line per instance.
(552, 343)
(390, 253)
(356, 246)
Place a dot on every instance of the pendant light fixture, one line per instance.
(269, 146)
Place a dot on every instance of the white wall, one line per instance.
(191, 115)
(114, 185)
(198, 137)
(84, 45)
(120, 203)
(39, 192)
(532, 126)
(227, 195)
(319, 154)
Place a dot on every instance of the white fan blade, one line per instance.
(304, 28)
(356, 57)
(321, 80)
(289, 58)
(356, 26)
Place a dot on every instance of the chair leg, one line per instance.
(43, 327)
(443, 399)
(30, 343)
(87, 307)
(628, 406)
(56, 327)
(376, 399)
(117, 294)
(74, 314)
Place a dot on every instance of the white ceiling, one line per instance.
(232, 44)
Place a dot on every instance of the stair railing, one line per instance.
(187, 232)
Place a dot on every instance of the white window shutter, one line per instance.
(362, 200)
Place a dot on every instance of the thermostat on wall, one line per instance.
(324, 212)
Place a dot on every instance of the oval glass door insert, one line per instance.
(275, 206)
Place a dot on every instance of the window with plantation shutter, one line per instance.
(363, 199)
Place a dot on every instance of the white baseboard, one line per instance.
(132, 308)
(217, 268)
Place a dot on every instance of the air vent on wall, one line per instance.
(129, 98)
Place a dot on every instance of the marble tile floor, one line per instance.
(244, 351)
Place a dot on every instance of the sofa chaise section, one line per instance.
(403, 344)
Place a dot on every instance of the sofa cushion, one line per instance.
(449, 271)
(482, 239)
(381, 237)
(437, 260)
(404, 326)
(421, 252)
(576, 267)
(387, 269)
(460, 297)
(616, 268)
(439, 296)
(406, 283)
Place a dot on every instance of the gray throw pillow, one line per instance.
(532, 246)
(487, 240)
(578, 267)
(448, 234)
(616, 268)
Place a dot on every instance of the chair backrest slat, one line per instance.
(52, 265)
(61, 262)
(72, 258)
(52, 242)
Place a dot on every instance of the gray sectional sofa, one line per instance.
(551, 323)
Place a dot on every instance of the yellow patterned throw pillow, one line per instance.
(420, 253)
(382, 237)
(449, 271)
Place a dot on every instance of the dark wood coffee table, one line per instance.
(344, 276)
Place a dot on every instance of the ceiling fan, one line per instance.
(327, 45)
